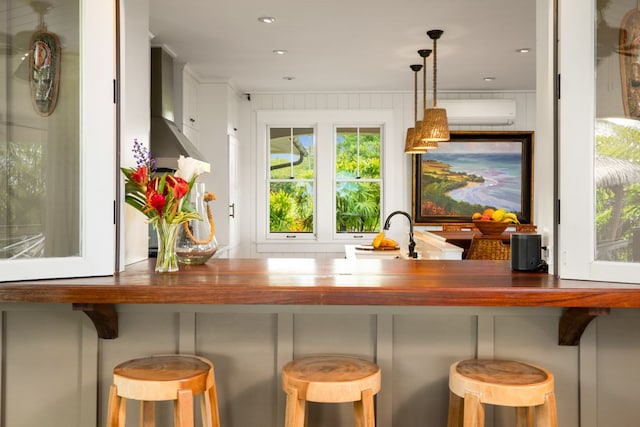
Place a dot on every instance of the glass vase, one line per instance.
(167, 260)
(196, 238)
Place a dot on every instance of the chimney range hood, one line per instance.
(166, 142)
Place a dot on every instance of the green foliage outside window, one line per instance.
(22, 193)
(291, 207)
(358, 207)
(358, 184)
(617, 200)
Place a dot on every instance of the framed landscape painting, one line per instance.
(473, 171)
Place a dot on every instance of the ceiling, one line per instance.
(349, 45)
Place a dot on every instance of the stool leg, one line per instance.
(524, 416)
(117, 408)
(183, 409)
(295, 413)
(209, 408)
(147, 414)
(363, 408)
(473, 411)
(456, 410)
(546, 413)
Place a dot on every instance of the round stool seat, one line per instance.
(172, 377)
(501, 382)
(526, 387)
(330, 379)
(161, 377)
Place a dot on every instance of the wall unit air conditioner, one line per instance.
(480, 112)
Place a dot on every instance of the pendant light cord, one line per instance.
(435, 70)
(415, 96)
(424, 81)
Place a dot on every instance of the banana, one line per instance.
(377, 241)
(511, 218)
(388, 243)
(498, 215)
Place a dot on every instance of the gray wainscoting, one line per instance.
(56, 372)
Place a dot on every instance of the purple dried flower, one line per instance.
(142, 156)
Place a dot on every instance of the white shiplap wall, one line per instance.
(401, 103)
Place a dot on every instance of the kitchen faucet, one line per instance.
(412, 243)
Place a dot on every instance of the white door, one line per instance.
(233, 192)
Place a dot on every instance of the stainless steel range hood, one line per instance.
(167, 142)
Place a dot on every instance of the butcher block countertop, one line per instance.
(305, 281)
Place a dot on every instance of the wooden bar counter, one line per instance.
(332, 282)
(329, 282)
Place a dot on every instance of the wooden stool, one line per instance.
(330, 379)
(473, 383)
(157, 378)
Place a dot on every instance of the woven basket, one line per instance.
(487, 247)
(491, 227)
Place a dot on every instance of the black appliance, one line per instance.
(526, 252)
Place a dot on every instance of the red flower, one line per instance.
(152, 186)
(180, 186)
(160, 196)
(156, 201)
(140, 176)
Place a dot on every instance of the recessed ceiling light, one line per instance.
(267, 19)
(280, 52)
(488, 79)
(288, 78)
(523, 50)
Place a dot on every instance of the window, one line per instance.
(291, 180)
(321, 176)
(599, 151)
(358, 180)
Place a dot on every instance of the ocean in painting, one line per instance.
(502, 173)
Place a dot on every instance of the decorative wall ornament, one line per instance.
(44, 70)
(629, 50)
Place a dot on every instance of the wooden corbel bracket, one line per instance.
(103, 316)
(575, 320)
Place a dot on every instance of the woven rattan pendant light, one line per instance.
(435, 126)
(411, 132)
(418, 145)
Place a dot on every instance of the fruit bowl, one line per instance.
(490, 227)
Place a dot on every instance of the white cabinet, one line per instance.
(192, 134)
(190, 91)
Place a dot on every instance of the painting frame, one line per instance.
(427, 212)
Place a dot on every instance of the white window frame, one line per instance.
(325, 122)
(97, 153)
(294, 236)
(577, 148)
(357, 236)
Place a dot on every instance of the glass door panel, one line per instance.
(53, 61)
